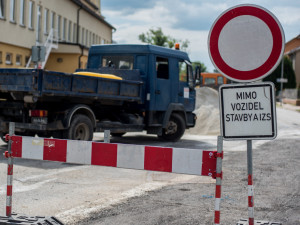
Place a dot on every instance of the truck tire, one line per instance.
(175, 128)
(81, 128)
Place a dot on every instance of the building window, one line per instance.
(12, 11)
(59, 27)
(82, 36)
(2, 9)
(8, 58)
(86, 37)
(75, 33)
(22, 12)
(69, 31)
(52, 20)
(46, 21)
(18, 60)
(30, 14)
(64, 29)
(220, 80)
(0, 57)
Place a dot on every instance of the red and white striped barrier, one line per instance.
(175, 160)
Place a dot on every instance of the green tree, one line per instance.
(288, 73)
(157, 37)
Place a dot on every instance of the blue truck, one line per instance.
(155, 94)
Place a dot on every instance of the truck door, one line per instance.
(162, 84)
(186, 94)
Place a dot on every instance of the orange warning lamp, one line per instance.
(177, 46)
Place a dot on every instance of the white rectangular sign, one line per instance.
(248, 111)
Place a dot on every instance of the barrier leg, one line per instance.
(10, 164)
(218, 179)
(106, 136)
(250, 183)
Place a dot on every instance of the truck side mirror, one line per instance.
(197, 75)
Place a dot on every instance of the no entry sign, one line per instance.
(246, 43)
(248, 111)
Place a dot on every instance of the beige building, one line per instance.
(66, 27)
(292, 49)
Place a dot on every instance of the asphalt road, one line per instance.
(276, 199)
(101, 195)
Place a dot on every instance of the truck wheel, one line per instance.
(81, 128)
(175, 128)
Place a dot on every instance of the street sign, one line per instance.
(246, 43)
(282, 80)
(248, 111)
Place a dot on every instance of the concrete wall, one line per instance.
(58, 62)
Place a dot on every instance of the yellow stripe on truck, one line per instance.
(102, 75)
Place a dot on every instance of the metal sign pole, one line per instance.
(250, 183)
(218, 180)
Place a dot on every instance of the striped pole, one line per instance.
(250, 183)
(10, 164)
(218, 179)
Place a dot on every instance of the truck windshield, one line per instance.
(118, 61)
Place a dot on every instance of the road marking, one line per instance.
(20, 187)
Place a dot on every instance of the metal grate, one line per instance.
(19, 219)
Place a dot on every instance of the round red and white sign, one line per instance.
(246, 43)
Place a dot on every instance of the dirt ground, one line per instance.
(276, 193)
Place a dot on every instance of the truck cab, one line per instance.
(168, 94)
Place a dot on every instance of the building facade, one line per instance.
(74, 25)
(292, 50)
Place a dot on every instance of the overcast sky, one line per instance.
(187, 19)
